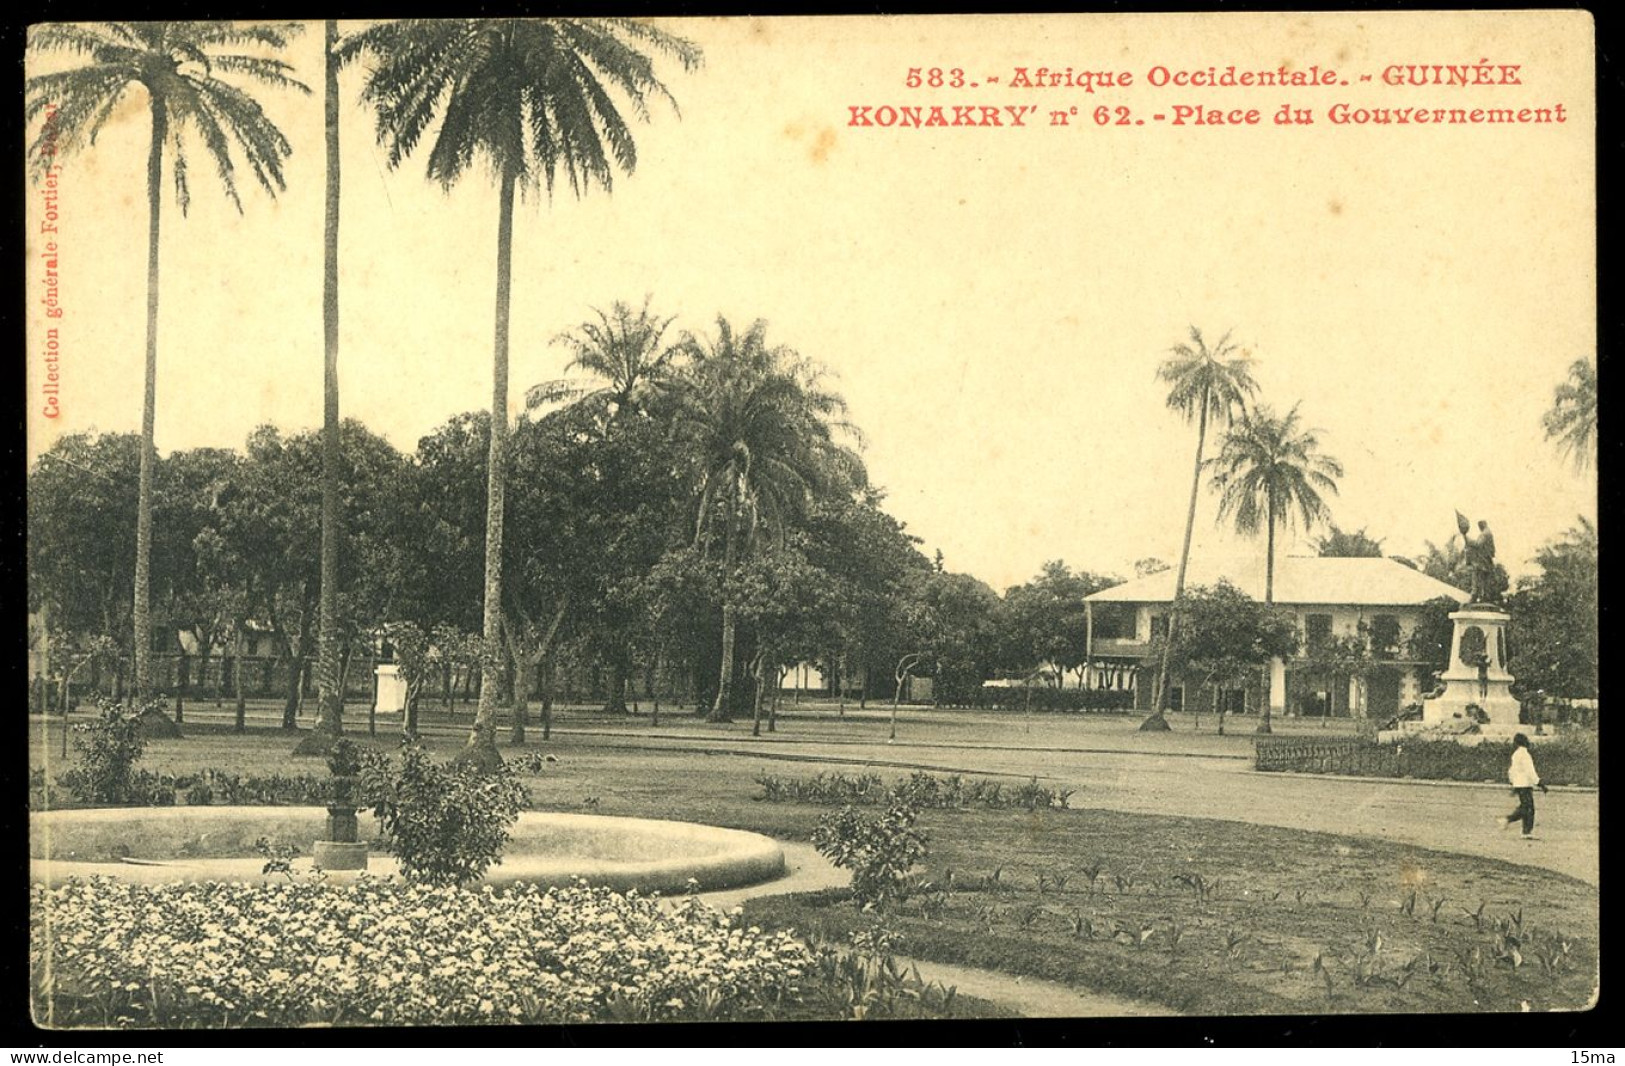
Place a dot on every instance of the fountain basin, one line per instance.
(156, 844)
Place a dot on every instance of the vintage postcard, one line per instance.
(555, 521)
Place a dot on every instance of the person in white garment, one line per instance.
(1524, 780)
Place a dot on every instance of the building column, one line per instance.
(1277, 686)
(1355, 710)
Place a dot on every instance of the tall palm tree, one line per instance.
(1572, 419)
(1204, 383)
(532, 97)
(179, 66)
(764, 431)
(329, 668)
(1270, 472)
(623, 350)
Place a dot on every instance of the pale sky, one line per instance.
(994, 302)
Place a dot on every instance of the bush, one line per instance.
(921, 789)
(108, 750)
(446, 824)
(880, 852)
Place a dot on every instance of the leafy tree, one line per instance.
(762, 429)
(267, 515)
(1337, 659)
(1203, 383)
(1428, 642)
(532, 97)
(956, 621)
(443, 513)
(1571, 421)
(1554, 637)
(1348, 544)
(81, 536)
(872, 563)
(180, 67)
(1227, 637)
(1046, 619)
(1148, 566)
(780, 596)
(188, 486)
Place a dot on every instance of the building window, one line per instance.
(1176, 698)
(1159, 626)
(1234, 701)
(1384, 636)
(1317, 630)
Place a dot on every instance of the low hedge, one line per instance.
(1566, 760)
(201, 789)
(1042, 700)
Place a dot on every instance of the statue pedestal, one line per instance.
(1477, 676)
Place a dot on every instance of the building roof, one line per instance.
(1298, 579)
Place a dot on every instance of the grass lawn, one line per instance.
(1204, 916)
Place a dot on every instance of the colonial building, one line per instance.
(1377, 600)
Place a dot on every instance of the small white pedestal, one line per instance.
(391, 689)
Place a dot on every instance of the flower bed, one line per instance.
(106, 953)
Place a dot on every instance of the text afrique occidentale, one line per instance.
(1071, 81)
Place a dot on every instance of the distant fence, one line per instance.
(1339, 755)
(1570, 759)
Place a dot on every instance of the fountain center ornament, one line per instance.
(341, 850)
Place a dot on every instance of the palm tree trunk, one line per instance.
(1158, 721)
(722, 711)
(761, 686)
(1269, 593)
(143, 514)
(482, 742)
(330, 703)
(241, 721)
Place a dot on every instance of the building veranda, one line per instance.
(1378, 602)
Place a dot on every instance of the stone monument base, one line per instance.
(339, 855)
(1477, 680)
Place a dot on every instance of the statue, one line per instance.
(1480, 557)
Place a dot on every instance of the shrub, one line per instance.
(108, 750)
(921, 790)
(446, 824)
(880, 852)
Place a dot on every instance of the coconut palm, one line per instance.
(330, 696)
(764, 431)
(1270, 472)
(1572, 419)
(1204, 383)
(533, 99)
(623, 350)
(182, 68)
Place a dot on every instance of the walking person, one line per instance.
(1524, 780)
